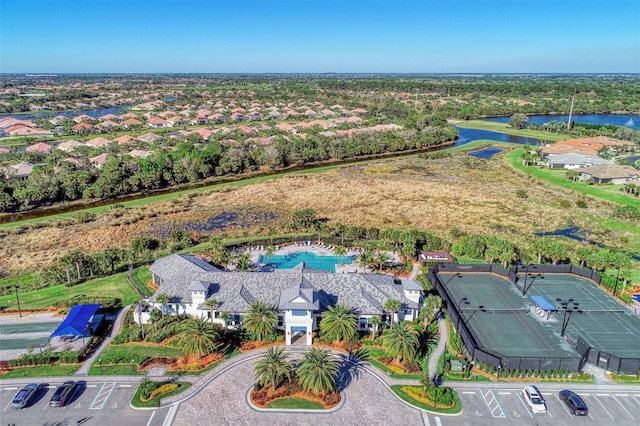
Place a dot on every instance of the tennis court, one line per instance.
(505, 322)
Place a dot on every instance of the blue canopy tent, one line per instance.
(544, 303)
(77, 321)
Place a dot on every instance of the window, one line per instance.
(298, 313)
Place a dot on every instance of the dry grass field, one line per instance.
(460, 192)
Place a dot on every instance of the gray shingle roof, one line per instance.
(235, 291)
(303, 291)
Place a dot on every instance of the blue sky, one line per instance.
(509, 36)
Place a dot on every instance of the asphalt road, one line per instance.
(94, 403)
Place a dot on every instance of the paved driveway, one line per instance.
(223, 401)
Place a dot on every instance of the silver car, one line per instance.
(25, 395)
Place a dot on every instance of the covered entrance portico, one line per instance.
(299, 303)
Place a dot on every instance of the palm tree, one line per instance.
(211, 304)
(273, 367)
(339, 322)
(260, 319)
(269, 251)
(163, 299)
(224, 316)
(243, 262)
(317, 371)
(381, 258)
(375, 321)
(340, 251)
(366, 258)
(401, 341)
(430, 306)
(392, 306)
(199, 337)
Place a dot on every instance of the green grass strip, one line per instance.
(41, 371)
(296, 404)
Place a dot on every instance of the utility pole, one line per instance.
(570, 112)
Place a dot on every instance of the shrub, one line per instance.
(411, 366)
(565, 204)
(165, 388)
(581, 204)
(521, 193)
(386, 360)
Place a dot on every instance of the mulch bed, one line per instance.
(266, 395)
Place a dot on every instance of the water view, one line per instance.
(466, 136)
(485, 153)
(630, 121)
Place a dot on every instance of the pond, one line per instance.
(630, 121)
(485, 153)
(466, 136)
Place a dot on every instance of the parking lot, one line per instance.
(93, 403)
(489, 406)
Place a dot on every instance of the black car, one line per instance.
(25, 395)
(62, 394)
(575, 404)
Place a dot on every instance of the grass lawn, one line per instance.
(142, 276)
(295, 403)
(114, 370)
(122, 354)
(111, 286)
(41, 371)
(612, 193)
(505, 128)
(456, 409)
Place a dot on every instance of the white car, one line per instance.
(533, 397)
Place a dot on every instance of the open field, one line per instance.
(458, 192)
(107, 287)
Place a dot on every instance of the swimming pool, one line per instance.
(288, 261)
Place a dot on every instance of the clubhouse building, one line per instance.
(300, 295)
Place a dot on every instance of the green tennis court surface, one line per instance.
(503, 320)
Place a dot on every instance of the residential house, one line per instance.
(300, 295)
(109, 125)
(157, 122)
(20, 171)
(69, 145)
(610, 173)
(99, 160)
(99, 142)
(573, 161)
(41, 147)
(139, 153)
(83, 118)
(149, 138)
(82, 128)
(131, 123)
(125, 140)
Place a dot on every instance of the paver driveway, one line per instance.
(223, 401)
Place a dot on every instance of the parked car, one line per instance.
(25, 395)
(533, 398)
(574, 403)
(62, 394)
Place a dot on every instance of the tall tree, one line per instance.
(243, 262)
(260, 319)
(317, 371)
(401, 341)
(392, 306)
(339, 322)
(375, 322)
(273, 367)
(199, 337)
(430, 307)
(163, 299)
(212, 304)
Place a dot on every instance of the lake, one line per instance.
(630, 121)
(93, 113)
(466, 136)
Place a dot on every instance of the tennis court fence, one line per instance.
(584, 352)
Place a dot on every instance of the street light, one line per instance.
(133, 366)
(498, 368)
(569, 307)
(526, 273)
(18, 299)
(100, 362)
(615, 287)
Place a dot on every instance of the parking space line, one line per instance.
(438, 422)
(153, 413)
(563, 406)
(624, 408)
(469, 392)
(620, 394)
(504, 393)
(102, 396)
(604, 408)
(125, 386)
(11, 388)
(5, 408)
(602, 394)
(524, 406)
(489, 402)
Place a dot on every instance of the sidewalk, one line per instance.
(117, 325)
